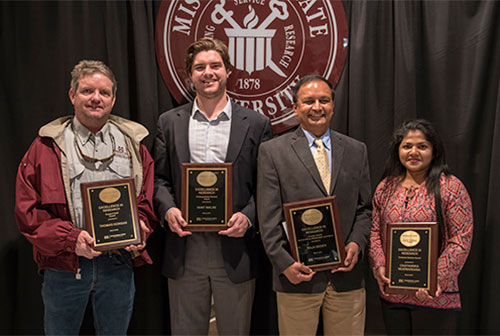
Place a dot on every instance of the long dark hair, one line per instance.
(395, 171)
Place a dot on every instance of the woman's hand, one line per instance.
(423, 294)
(382, 280)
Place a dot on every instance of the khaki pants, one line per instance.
(343, 312)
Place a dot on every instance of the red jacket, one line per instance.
(42, 210)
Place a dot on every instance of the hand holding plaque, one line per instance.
(315, 233)
(411, 257)
(110, 210)
(207, 195)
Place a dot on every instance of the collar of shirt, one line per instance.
(225, 114)
(80, 171)
(84, 135)
(325, 138)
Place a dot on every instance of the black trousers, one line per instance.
(418, 320)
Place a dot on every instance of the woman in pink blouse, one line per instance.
(417, 187)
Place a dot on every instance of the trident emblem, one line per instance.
(250, 48)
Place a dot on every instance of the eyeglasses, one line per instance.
(92, 159)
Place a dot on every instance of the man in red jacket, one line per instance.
(90, 146)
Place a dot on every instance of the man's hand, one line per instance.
(144, 232)
(352, 251)
(297, 273)
(379, 275)
(237, 226)
(423, 294)
(176, 222)
(84, 244)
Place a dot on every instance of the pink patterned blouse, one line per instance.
(415, 205)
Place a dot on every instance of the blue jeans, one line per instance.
(109, 282)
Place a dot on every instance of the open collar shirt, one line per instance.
(209, 139)
(99, 145)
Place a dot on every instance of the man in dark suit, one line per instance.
(290, 170)
(201, 264)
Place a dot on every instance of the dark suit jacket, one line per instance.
(171, 148)
(287, 173)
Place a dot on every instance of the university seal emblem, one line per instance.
(272, 43)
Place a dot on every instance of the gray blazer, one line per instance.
(171, 148)
(287, 173)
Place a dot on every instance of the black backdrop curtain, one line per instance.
(438, 60)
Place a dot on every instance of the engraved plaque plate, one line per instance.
(315, 233)
(207, 195)
(110, 210)
(411, 257)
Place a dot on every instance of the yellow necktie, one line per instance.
(321, 160)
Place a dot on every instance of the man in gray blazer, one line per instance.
(287, 172)
(200, 264)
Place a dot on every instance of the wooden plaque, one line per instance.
(110, 210)
(207, 195)
(315, 233)
(411, 257)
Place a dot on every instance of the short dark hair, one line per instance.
(206, 44)
(307, 79)
(89, 67)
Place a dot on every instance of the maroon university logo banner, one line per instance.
(272, 43)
